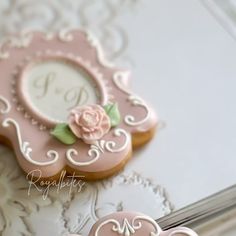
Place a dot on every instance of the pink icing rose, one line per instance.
(89, 122)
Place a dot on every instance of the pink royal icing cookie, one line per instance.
(64, 107)
(133, 224)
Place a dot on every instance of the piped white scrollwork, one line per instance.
(128, 228)
(184, 231)
(136, 101)
(111, 145)
(7, 105)
(73, 152)
(120, 79)
(25, 148)
(100, 147)
(21, 41)
(96, 44)
(65, 35)
(24, 38)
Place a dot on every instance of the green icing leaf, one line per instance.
(112, 111)
(63, 133)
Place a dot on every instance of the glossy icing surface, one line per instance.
(40, 85)
(136, 224)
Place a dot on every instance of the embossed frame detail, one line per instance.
(136, 224)
(29, 131)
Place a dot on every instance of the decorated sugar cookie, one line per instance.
(64, 107)
(133, 224)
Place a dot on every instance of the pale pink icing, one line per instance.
(134, 224)
(30, 120)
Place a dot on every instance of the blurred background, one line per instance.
(182, 54)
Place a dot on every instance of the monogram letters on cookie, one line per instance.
(63, 106)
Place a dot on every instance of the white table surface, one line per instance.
(183, 55)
